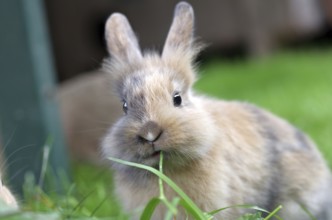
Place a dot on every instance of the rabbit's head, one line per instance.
(160, 111)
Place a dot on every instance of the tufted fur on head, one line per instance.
(178, 53)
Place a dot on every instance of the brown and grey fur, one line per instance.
(220, 153)
(87, 109)
(6, 196)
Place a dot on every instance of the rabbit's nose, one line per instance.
(150, 132)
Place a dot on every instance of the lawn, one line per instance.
(296, 85)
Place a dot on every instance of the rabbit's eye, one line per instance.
(177, 100)
(125, 107)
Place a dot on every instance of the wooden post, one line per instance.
(28, 114)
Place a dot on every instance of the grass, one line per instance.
(185, 202)
(296, 85)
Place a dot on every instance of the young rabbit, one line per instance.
(6, 197)
(87, 109)
(220, 153)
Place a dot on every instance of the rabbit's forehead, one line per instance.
(156, 83)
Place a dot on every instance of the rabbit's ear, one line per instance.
(180, 36)
(121, 41)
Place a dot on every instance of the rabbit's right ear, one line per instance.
(121, 41)
(181, 34)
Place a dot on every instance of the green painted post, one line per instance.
(28, 116)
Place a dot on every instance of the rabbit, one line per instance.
(87, 109)
(221, 153)
(7, 197)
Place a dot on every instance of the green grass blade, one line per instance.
(169, 205)
(189, 209)
(273, 213)
(98, 207)
(160, 181)
(255, 216)
(81, 201)
(149, 208)
(174, 203)
(45, 160)
(307, 212)
(194, 210)
(239, 206)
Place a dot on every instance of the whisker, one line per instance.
(90, 130)
(9, 140)
(5, 165)
(17, 150)
(16, 160)
(17, 172)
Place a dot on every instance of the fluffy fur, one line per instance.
(7, 197)
(220, 153)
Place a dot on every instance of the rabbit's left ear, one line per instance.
(121, 41)
(180, 36)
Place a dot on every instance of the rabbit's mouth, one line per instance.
(155, 154)
(150, 159)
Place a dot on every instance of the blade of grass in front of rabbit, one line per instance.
(190, 205)
(169, 215)
(307, 212)
(238, 206)
(162, 196)
(149, 208)
(154, 202)
(273, 213)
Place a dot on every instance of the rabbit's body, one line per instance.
(220, 153)
(249, 164)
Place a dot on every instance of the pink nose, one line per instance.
(150, 132)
